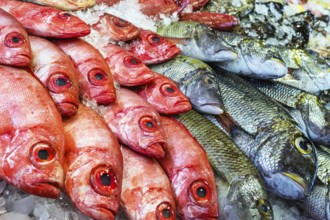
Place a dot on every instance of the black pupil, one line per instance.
(66, 15)
(201, 192)
(43, 154)
(303, 145)
(99, 76)
(149, 124)
(170, 89)
(155, 39)
(60, 82)
(105, 179)
(264, 208)
(133, 61)
(166, 213)
(15, 40)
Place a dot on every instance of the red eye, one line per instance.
(154, 39)
(103, 180)
(148, 124)
(168, 90)
(64, 15)
(200, 192)
(41, 154)
(58, 82)
(14, 39)
(164, 211)
(120, 22)
(132, 61)
(97, 77)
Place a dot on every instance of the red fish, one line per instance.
(126, 69)
(107, 2)
(57, 73)
(94, 165)
(152, 48)
(45, 21)
(221, 22)
(195, 4)
(95, 79)
(31, 135)
(190, 173)
(116, 28)
(146, 191)
(163, 94)
(136, 123)
(15, 49)
(156, 7)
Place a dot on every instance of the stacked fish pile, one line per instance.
(120, 122)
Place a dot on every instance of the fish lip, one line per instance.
(181, 102)
(217, 109)
(296, 178)
(104, 210)
(53, 188)
(105, 98)
(67, 108)
(157, 149)
(24, 59)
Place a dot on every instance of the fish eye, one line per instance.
(200, 192)
(58, 82)
(120, 22)
(168, 89)
(208, 80)
(64, 15)
(303, 145)
(264, 207)
(97, 77)
(14, 39)
(148, 124)
(42, 154)
(103, 180)
(164, 211)
(154, 39)
(131, 61)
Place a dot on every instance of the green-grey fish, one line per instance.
(235, 8)
(317, 203)
(196, 80)
(285, 158)
(323, 156)
(241, 192)
(307, 109)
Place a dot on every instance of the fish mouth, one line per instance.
(105, 98)
(49, 189)
(67, 109)
(209, 108)
(22, 60)
(156, 150)
(98, 211)
(225, 56)
(184, 103)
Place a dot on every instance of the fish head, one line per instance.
(94, 185)
(152, 48)
(204, 94)
(165, 96)
(291, 168)
(141, 130)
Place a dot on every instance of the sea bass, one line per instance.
(241, 192)
(190, 173)
(136, 123)
(146, 191)
(92, 154)
(163, 94)
(285, 158)
(196, 80)
(45, 21)
(69, 5)
(126, 69)
(115, 28)
(57, 73)
(15, 46)
(152, 48)
(95, 79)
(32, 136)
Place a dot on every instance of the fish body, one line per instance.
(95, 79)
(115, 28)
(32, 136)
(152, 48)
(163, 94)
(146, 191)
(126, 69)
(196, 80)
(68, 5)
(190, 173)
(235, 8)
(15, 48)
(45, 21)
(241, 192)
(107, 2)
(194, 4)
(136, 123)
(154, 8)
(317, 203)
(57, 73)
(93, 155)
(323, 171)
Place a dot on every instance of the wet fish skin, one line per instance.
(146, 191)
(317, 203)
(45, 21)
(241, 192)
(136, 123)
(68, 5)
(196, 80)
(152, 48)
(323, 171)
(93, 154)
(244, 7)
(153, 8)
(95, 79)
(15, 48)
(195, 4)
(163, 94)
(30, 126)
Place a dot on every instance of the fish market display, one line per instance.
(191, 176)
(32, 137)
(45, 21)
(146, 191)
(15, 46)
(66, 4)
(95, 79)
(136, 123)
(57, 73)
(94, 165)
